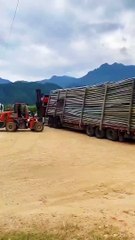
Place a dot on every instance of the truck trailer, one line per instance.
(106, 110)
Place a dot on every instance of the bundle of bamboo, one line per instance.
(110, 104)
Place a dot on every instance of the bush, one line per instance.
(32, 108)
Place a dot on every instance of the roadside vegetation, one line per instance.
(32, 108)
(70, 232)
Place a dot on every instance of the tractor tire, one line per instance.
(33, 130)
(90, 131)
(11, 127)
(112, 134)
(39, 127)
(99, 133)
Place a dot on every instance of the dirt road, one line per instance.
(59, 173)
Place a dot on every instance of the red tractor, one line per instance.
(19, 118)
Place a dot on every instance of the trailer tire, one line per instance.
(57, 122)
(39, 127)
(51, 122)
(121, 137)
(11, 127)
(112, 134)
(90, 131)
(99, 133)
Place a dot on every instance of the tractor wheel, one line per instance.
(112, 134)
(33, 130)
(39, 127)
(90, 131)
(99, 133)
(11, 127)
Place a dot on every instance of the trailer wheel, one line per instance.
(112, 134)
(11, 127)
(50, 121)
(121, 137)
(90, 131)
(57, 122)
(39, 127)
(99, 133)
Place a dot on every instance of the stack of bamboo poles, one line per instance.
(73, 105)
(60, 102)
(117, 106)
(133, 112)
(93, 104)
(52, 104)
(112, 104)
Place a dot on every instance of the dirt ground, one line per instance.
(60, 174)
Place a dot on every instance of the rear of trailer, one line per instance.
(106, 110)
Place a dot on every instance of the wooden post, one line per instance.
(83, 106)
(56, 103)
(48, 104)
(103, 107)
(130, 106)
(64, 106)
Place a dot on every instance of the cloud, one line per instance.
(64, 37)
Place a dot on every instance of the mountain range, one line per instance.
(25, 91)
(4, 81)
(105, 73)
(22, 91)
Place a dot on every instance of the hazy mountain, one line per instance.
(4, 81)
(105, 73)
(62, 81)
(23, 91)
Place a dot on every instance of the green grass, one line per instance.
(32, 108)
(70, 232)
(30, 236)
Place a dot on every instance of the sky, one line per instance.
(64, 37)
